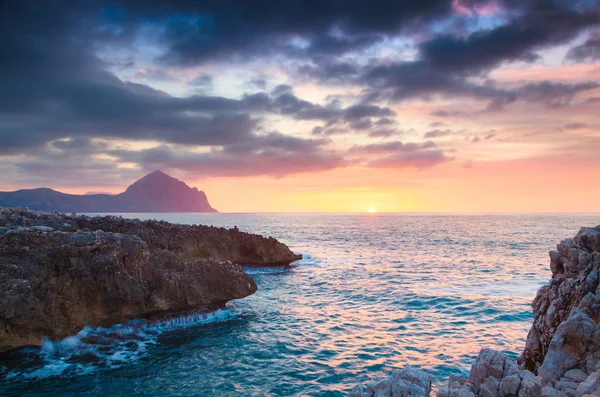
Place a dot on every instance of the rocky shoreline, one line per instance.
(562, 353)
(59, 273)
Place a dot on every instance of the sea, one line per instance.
(373, 292)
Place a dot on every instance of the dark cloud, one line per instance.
(446, 64)
(447, 113)
(400, 155)
(274, 155)
(395, 146)
(588, 51)
(203, 81)
(361, 111)
(437, 133)
(437, 124)
(61, 101)
(384, 133)
(574, 126)
(554, 95)
(198, 32)
(542, 24)
(259, 83)
(53, 87)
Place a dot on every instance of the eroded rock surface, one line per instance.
(59, 273)
(401, 383)
(52, 283)
(188, 242)
(567, 310)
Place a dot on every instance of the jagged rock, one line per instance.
(551, 392)
(574, 267)
(590, 386)
(509, 385)
(575, 345)
(188, 242)
(401, 383)
(490, 363)
(52, 283)
(576, 375)
(358, 391)
(457, 387)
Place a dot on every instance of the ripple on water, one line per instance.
(371, 293)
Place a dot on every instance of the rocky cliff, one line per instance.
(59, 273)
(562, 353)
(156, 192)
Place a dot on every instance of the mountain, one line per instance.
(156, 192)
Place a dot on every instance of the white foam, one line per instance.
(112, 347)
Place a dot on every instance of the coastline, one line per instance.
(63, 272)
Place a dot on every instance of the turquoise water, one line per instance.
(373, 292)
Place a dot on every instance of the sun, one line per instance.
(371, 210)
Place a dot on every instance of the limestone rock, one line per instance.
(188, 242)
(401, 383)
(574, 267)
(53, 283)
(590, 386)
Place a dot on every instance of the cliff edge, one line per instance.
(59, 273)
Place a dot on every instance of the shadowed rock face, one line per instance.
(53, 283)
(59, 273)
(562, 353)
(566, 310)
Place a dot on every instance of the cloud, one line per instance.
(259, 83)
(274, 155)
(397, 154)
(447, 113)
(588, 51)
(542, 24)
(200, 32)
(65, 100)
(553, 95)
(384, 133)
(362, 111)
(574, 126)
(203, 81)
(437, 133)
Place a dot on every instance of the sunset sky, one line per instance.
(429, 105)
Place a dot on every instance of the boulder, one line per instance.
(401, 383)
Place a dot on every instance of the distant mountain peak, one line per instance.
(155, 192)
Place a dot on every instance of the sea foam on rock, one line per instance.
(562, 354)
(57, 276)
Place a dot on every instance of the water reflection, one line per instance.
(373, 292)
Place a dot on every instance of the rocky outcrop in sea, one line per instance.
(562, 353)
(59, 273)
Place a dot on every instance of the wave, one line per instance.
(92, 349)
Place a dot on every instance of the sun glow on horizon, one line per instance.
(372, 210)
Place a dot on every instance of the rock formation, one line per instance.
(186, 241)
(562, 353)
(156, 192)
(59, 273)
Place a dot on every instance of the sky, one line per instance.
(298, 105)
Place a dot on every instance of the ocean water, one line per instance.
(373, 292)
